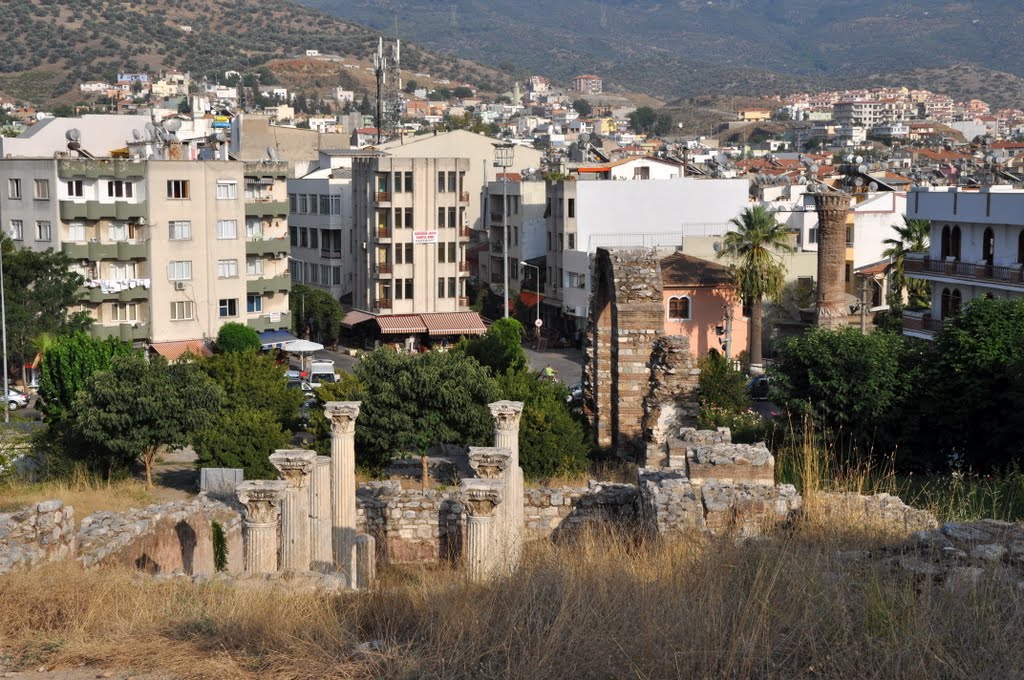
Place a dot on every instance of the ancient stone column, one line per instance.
(320, 515)
(342, 417)
(490, 462)
(296, 467)
(262, 501)
(831, 310)
(481, 497)
(366, 561)
(506, 436)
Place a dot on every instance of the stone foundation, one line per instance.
(44, 532)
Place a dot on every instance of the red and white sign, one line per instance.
(424, 236)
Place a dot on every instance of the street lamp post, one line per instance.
(537, 324)
(3, 325)
(503, 155)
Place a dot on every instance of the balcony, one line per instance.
(464, 197)
(78, 168)
(273, 169)
(383, 233)
(329, 254)
(384, 303)
(275, 284)
(382, 197)
(96, 250)
(95, 210)
(266, 208)
(465, 232)
(264, 322)
(463, 302)
(920, 324)
(97, 291)
(981, 273)
(463, 267)
(383, 269)
(497, 247)
(126, 332)
(496, 277)
(268, 247)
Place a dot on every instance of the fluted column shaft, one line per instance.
(342, 417)
(296, 467)
(259, 547)
(366, 561)
(262, 501)
(507, 415)
(480, 546)
(320, 515)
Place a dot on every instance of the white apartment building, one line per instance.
(870, 113)
(583, 215)
(524, 215)
(170, 249)
(976, 249)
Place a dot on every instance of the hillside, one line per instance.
(682, 48)
(49, 46)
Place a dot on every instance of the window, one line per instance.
(227, 191)
(441, 250)
(43, 231)
(179, 270)
(303, 203)
(313, 204)
(293, 235)
(440, 287)
(440, 182)
(75, 188)
(181, 311)
(408, 289)
(227, 269)
(253, 228)
(227, 229)
(641, 173)
(848, 273)
(335, 205)
(14, 188)
(453, 252)
(228, 307)
(572, 207)
(17, 230)
(314, 238)
(440, 218)
(118, 188)
(515, 235)
(951, 300)
(408, 253)
(181, 230)
(577, 280)
(254, 304)
(1020, 247)
(408, 218)
(336, 275)
(293, 205)
(398, 254)
(124, 312)
(76, 231)
(572, 241)
(120, 231)
(451, 218)
(177, 188)
(849, 237)
(122, 271)
(325, 204)
(398, 183)
(453, 286)
(679, 308)
(988, 246)
(303, 237)
(254, 266)
(42, 189)
(812, 235)
(255, 192)
(453, 182)
(408, 182)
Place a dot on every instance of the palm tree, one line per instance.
(911, 237)
(756, 244)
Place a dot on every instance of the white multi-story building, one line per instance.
(976, 250)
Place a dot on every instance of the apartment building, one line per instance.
(321, 226)
(871, 113)
(976, 250)
(411, 226)
(170, 249)
(584, 215)
(524, 202)
(588, 84)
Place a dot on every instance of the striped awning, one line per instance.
(401, 324)
(454, 323)
(355, 317)
(172, 351)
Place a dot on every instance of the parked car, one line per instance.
(759, 388)
(575, 394)
(16, 400)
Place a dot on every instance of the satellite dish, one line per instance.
(873, 186)
(717, 246)
(172, 125)
(848, 158)
(584, 137)
(859, 160)
(137, 135)
(813, 169)
(859, 182)
(73, 135)
(271, 153)
(862, 168)
(150, 132)
(221, 137)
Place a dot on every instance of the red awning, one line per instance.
(454, 323)
(354, 317)
(529, 298)
(173, 350)
(401, 324)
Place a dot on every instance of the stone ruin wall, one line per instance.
(43, 532)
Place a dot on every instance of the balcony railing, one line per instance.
(922, 323)
(267, 246)
(968, 270)
(383, 232)
(463, 302)
(384, 303)
(383, 197)
(329, 254)
(383, 268)
(464, 197)
(465, 232)
(97, 250)
(463, 267)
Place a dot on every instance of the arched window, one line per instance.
(988, 246)
(954, 301)
(679, 308)
(944, 309)
(954, 243)
(1020, 247)
(944, 250)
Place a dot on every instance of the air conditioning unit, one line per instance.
(179, 285)
(280, 256)
(142, 222)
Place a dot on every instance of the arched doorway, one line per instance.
(988, 246)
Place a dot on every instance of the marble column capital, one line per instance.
(506, 414)
(482, 496)
(262, 499)
(294, 465)
(342, 416)
(489, 462)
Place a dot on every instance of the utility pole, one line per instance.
(3, 323)
(863, 304)
(503, 156)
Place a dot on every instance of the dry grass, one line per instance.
(603, 471)
(604, 606)
(86, 493)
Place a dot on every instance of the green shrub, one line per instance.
(237, 337)
(722, 386)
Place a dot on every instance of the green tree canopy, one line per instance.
(242, 438)
(67, 366)
(141, 405)
(551, 441)
(721, 385)
(315, 312)
(910, 237)
(754, 246)
(499, 348)
(237, 337)
(249, 380)
(583, 107)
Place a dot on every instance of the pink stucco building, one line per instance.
(699, 299)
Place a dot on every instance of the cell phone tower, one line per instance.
(388, 71)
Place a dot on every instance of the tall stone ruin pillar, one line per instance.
(830, 308)
(320, 515)
(342, 417)
(490, 462)
(295, 466)
(481, 497)
(366, 561)
(507, 415)
(262, 501)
